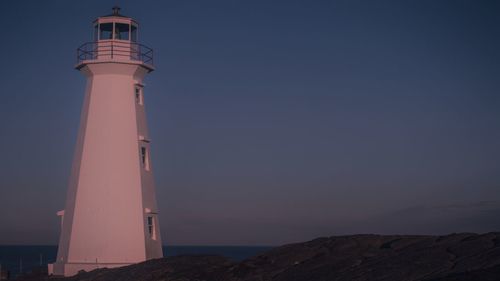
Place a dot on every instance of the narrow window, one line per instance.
(151, 228)
(145, 158)
(138, 95)
(96, 32)
(133, 33)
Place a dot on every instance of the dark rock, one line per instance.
(486, 274)
(180, 268)
(454, 257)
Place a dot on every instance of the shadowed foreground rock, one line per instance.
(455, 257)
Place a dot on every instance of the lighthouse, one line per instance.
(111, 216)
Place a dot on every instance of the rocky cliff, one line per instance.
(452, 257)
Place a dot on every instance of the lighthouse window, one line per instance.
(96, 32)
(138, 96)
(151, 227)
(106, 31)
(121, 31)
(144, 158)
(133, 33)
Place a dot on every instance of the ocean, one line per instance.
(22, 259)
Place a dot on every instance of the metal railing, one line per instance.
(120, 50)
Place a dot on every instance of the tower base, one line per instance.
(70, 269)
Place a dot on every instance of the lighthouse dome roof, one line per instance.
(116, 13)
(115, 16)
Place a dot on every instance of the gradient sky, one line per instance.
(271, 121)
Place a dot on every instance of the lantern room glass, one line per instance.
(122, 31)
(133, 33)
(96, 32)
(106, 31)
(116, 31)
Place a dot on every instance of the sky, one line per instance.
(271, 121)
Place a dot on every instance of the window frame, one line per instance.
(138, 94)
(112, 30)
(132, 27)
(115, 33)
(151, 226)
(144, 157)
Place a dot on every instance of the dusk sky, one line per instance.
(271, 121)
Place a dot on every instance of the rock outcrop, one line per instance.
(455, 257)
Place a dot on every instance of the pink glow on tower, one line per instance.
(111, 216)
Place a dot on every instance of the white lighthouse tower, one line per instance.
(111, 216)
